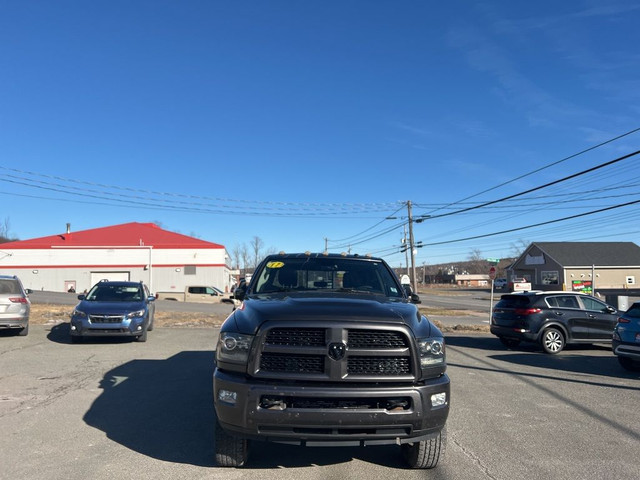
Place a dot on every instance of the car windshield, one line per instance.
(114, 293)
(330, 273)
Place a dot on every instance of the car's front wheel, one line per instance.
(552, 341)
(143, 336)
(427, 453)
(628, 364)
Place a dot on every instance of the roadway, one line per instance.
(112, 408)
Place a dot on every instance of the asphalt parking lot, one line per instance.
(114, 408)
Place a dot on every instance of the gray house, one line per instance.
(606, 268)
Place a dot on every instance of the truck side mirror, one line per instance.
(239, 293)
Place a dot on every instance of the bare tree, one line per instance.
(256, 249)
(4, 231)
(518, 248)
(476, 264)
(235, 254)
(244, 257)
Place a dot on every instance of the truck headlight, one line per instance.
(431, 351)
(233, 347)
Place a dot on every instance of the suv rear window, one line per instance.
(633, 312)
(513, 301)
(10, 286)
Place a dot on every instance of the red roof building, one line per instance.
(164, 260)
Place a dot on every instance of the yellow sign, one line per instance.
(275, 264)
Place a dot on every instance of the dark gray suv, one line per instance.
(552, 319)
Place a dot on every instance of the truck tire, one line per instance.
(427, 453)
(230, 451)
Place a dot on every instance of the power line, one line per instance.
(535, 224)
(564, 179)
(630, 132)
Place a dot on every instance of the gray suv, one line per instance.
(14, 305)
(553, 319)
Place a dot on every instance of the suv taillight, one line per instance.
(623, 320)
(527, 311)
(17, 300)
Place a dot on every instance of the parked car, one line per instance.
(552, 319)
(114, 309)
(197, 293)
(14, 305)
(499, 283)
(626, 338)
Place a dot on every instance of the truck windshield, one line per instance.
(303, 274)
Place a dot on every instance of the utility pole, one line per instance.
(326, 245)
(406, 253)
(411, 246)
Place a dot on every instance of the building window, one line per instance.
(631, 280)
(550, 278)
(189, 269)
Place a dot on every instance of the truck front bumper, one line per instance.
(313, 415)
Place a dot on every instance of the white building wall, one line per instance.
(161, 269)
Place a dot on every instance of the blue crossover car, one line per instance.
(114, 309)
(626, 338)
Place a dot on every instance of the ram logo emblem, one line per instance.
(337, 351)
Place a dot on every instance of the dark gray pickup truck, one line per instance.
(329, 350)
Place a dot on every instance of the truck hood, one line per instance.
(255, 311)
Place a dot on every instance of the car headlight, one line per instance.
(233, 347)
(136, 314)
(78, 313)
(431, 351)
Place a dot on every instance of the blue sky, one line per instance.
(308, 123)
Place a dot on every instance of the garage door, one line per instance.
(113, 276)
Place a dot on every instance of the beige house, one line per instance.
(606, 268)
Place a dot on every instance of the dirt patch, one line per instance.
(44, 314)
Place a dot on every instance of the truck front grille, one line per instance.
(335, 353)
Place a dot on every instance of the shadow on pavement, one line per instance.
(586, 360)
(160, 408)
(164, 409)
(60, 334)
